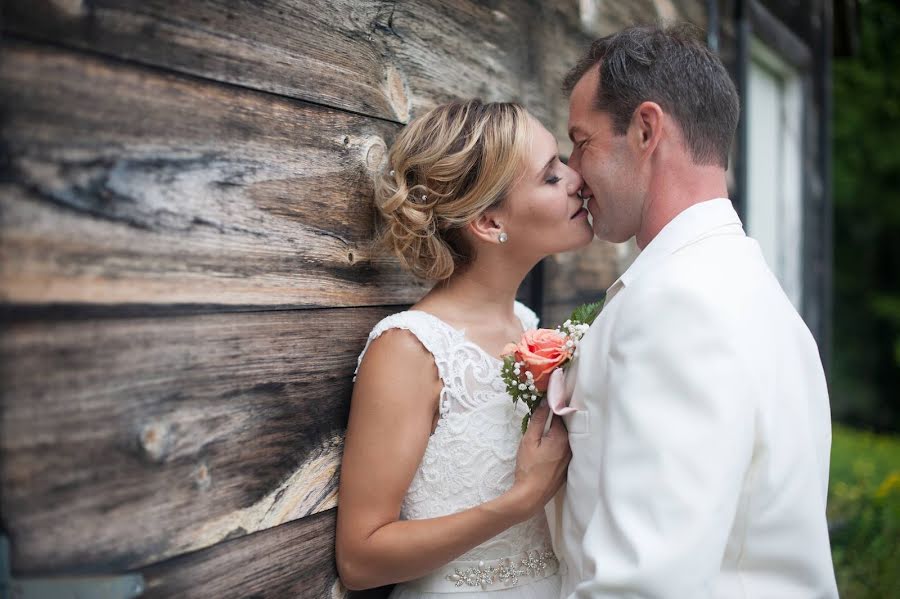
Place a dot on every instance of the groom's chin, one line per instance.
(599, 231)
(610, 236)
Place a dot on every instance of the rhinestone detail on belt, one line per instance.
(506, 572)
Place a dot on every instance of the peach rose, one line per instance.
(542, 350)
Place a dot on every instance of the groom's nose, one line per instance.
(574, 159)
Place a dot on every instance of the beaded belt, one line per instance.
(489, 575)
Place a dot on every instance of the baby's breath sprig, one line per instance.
(574, 331)
(520, 386)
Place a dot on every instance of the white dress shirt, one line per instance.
(702, 433)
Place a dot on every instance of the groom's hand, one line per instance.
(542, 461)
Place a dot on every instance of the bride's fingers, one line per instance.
(547, 424)
(536, 424)
(557, 429)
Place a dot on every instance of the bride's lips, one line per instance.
(585, 194)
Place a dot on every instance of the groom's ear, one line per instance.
(646, 127)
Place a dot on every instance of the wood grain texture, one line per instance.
(558, 40)
(599, 17)
(125, 185)
(293, 560)
(381, 58)
(129, 441)
(590, 270)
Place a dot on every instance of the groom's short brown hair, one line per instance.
(669, 66)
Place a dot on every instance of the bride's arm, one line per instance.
(394, 402)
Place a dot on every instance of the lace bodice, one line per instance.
(471, 456)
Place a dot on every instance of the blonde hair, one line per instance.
(446, 168)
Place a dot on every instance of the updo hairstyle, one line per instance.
(446, 168)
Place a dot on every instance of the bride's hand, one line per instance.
(542, 461)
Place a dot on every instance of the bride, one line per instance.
(439, 489)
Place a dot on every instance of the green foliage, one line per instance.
(586, 313)
(866, 149)
(864, 513)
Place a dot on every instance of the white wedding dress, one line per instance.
(471, 458)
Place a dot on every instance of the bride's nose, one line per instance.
(574, 182)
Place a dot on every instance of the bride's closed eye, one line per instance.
(553, 179)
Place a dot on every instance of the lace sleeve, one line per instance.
(412, 322)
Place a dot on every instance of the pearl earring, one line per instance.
(503, 237)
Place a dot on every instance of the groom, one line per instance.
(701, 431)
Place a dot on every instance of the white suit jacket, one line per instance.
(702, 433)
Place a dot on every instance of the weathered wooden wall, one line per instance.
(184, 273)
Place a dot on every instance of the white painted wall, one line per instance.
(774, 178)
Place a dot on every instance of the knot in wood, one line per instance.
(397, 93)
(154, 441)
(201, 476)
(375, 153)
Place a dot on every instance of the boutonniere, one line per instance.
(529, 365)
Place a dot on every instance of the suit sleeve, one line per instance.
(676, 439)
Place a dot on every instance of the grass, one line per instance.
(864, 513)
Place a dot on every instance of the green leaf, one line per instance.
(586, 313)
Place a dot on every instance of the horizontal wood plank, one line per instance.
(128, 441)
(587, 272)
(125, 185)
(291, 560)
(385, 59)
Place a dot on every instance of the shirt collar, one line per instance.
(692, 224)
